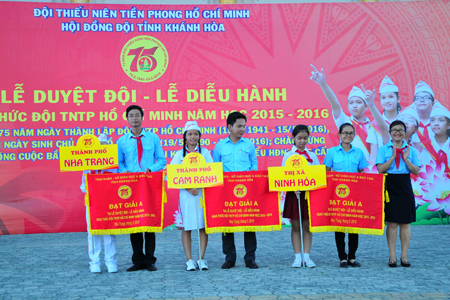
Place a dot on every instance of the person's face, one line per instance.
(439, 125)
(389, 101)
(397, 133)
(347, 135)
(238, 129)
(192, 137)
(356, 106)
(301, 140)
(134, 118)
(423, 101)
(411, 124)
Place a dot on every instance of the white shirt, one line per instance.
(426, 158)
(312, 155)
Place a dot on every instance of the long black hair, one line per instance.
(184, 142)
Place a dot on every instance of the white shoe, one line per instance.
(112, 268)
(297, 263)
(95, 269)
(309, 263)
(191, 265)
(202, 265)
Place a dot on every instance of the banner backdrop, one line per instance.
(242, 204)
(67, 70)
(125, 203)
(346, 206)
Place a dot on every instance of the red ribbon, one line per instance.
(140, 149)
(308, 158)
(442, 158)
(399, 155)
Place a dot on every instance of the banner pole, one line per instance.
(300, 220)
(198, 234)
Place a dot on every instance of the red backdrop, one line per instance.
(356, 43)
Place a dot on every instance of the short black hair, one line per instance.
(395, 123)
(232, 118)
(131, 107)
(345, 125)
(299, 128)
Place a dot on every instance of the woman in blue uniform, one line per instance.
(346, 158)
(398, 159)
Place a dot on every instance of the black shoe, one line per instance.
(343, 264)
(405, 264)
(151, 267)
(135, 267)
(354, 264)
(251, 264)
(392, 264)
(228, 264)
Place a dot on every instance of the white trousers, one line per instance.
(95, 246)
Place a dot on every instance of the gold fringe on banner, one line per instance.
(86, 196)
(126, 230)
(385, 192)
(243, 229)
(347, 230)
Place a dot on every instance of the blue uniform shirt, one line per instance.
(152, 150)
(339, 161)
(385, 153)
(236, 157)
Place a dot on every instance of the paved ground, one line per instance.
(55, 266)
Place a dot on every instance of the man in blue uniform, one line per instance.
(237, 154)
(140, 151)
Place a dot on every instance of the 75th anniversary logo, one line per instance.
(144, 58)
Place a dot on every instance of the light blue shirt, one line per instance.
(350, 162)
(152, 151)
(385, 153)
(236, 157)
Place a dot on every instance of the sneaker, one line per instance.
(298, 263)
(112, 268)
(191, 265)
(202, 265)
(309, 263)
(95, 269)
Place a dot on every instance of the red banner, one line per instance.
(69, 69)
(242, 204)
(125, 203)
(346, 206)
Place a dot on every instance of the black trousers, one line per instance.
(352, 245)
(229, 249)
(137, 243)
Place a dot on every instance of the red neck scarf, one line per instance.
(361, 132)
(426, 141)
(425, 130)
(140, 149)
(399, 155)
(308, 158)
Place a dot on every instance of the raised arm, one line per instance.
(370, 100)
(319, 78)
